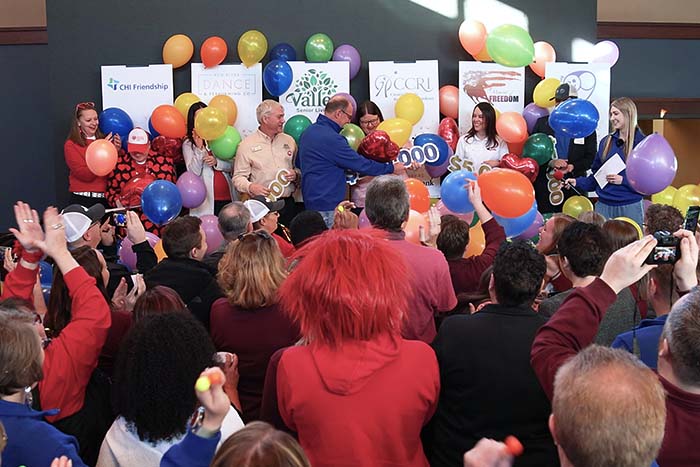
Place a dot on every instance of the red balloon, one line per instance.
(449, 131)
(378, 146)
(213, 51)
(101, 157)
(168, 121)
(525, 165)
(168, 147)
(506, 192)
(512, 127)
(418, 195)
(133, 189)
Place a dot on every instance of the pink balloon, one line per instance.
(192, 189)
(442, 209)
(210, 225)
(364, 222)
(127, 256)
(605, 52)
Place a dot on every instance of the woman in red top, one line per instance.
(86, 188)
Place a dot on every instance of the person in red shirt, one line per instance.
(265, 215)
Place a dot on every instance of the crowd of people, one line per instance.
(305, 340)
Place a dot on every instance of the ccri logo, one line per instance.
(313, 89)
(113, 83)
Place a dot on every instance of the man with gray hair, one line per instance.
(234, 220)
(261, 156)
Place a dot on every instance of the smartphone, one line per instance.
(666, 251)
(119, 219)
(691, 218)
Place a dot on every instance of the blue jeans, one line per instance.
(328, 217)
(634, 211)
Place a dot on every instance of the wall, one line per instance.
(669, 11)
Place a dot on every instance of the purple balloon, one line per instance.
(534, 229)
(531, 113)
(364, 222)
(352, 100)
(192, 189)
(652, 165)
(348, 53)
(127, 256)
(440, 170)
(210, 225)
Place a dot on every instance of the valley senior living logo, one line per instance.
(312, 90)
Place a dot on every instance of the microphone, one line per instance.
(559, 175)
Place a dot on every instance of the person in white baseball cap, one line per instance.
(264, 215)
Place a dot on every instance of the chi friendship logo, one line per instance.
(113, 83)
(313, 89)
(116, 85)
(477, 83)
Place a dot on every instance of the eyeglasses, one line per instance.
(84, 106)
(371, 122)
(346, 114)
(254, 235)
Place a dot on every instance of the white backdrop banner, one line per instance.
(243, 85)
(591, 81)
(501, 86)
(312, 86)
(137, 90)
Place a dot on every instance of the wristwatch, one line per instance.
(196, 424)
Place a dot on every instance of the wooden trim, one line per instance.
(675, 107)
(629, 30)
(25, 35)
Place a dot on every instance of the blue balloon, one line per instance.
(114, 120)
(161, 202)
(284, 52)
(45, 274)
(151, 130)
(576, 118)
(454, 194)
(442, 146)
(514, 226)
(277, 77)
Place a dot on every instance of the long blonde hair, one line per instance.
(626, 106)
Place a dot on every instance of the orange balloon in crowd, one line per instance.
(507, 193)
(512, 127)
(516, 148)
(483, 55)
(449, 101)
(160, 252)
(477, 241)
(418, 195)
(168, 121)
(472, 36)
(544, 53)
(213, 51)
(101, 157)
(178, 50)
(227, 105)
(412, 227)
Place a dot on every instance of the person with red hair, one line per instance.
(357, 393)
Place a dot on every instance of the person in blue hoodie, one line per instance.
(617, 198)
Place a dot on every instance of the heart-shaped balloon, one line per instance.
(379, 147)
(449, 131)
(168, 147)
(132, 190)
(525, 165)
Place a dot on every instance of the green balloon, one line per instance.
(296, 125)
(353, 134)
(510, 45)
(319, 48)
(224, 147)
(539, 147)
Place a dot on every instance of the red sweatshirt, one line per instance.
(573, 327)
(80, 177)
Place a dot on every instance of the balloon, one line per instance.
(651, 165)
(116, 121)
(449, 131)
(227, 105)
(210, 225)
(442, 209)
(634, 224)
(101, 157)
(410, 107)
(178, 50)
(544, 53)
(353, 134)
(512, 127)
(477, 241)
(418, 195)
(510, 45)
(576, 205)
(210, 123)
(506, 192)
(483, 55)
(160, 252)
(605, 52)
(453, 191)
(348, 53)
(686, 196)
(213, 51)
(350, 99)
(296, 125)
(516, 148)
(665, 196)
(151, 130)
(399, 129)
(130, 195)
(277, 77)
(472, 36)
(126, 254)
(539, 147)
(576, 118)
(319, 48)
(378, 147)
(45, 274)
(161, 202)
(412, 227)
(184, 101)
(224, 147)
(525, 165)
(534, 228)
(449, 101)
(516, 226)
(431, 138)
(363, 221)
(168, 121)
(283, 51)
(439, 170)
(543, 94)
(168, 147)
(532, 113)
(252, 47)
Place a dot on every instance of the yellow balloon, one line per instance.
(398, 129)
(477, 241)
(160, 252)
(178, 50)
(634, 224)
(210, 123)
(576, 205)
(544, 92)
(483, 56)
(227, 105)
(665, 196)
(410, 107)
(686, 196)
(184, 101)
(252, 47)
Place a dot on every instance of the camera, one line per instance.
(667, 249)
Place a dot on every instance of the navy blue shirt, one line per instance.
(648, 333)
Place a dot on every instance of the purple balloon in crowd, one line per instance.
(352, 100)
(534, 229)
(127, 256)
(531, 113)
(440, 170)
(651, 165)
(466, 217)
(210, 225)
(364, 222)
(192, 189)
(348, 53)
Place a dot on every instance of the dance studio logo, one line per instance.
(112, 84)
(313, 89)
(491, 86)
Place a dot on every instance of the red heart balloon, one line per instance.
(133, 189)
(168, 147)
(449, 131)
(525, 165)
(378, 147)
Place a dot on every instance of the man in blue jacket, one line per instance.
(324, 156)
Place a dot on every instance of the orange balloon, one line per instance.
(483, 55)
(412, 227)
(516, 148)
(213, 51)
(449, 101)
(477, 241)
(507, 193)
(472, 36)
(418, 195)
(544, 53)
(101, 157)
(178, 50)
(160, 252)
(168, 121)
(512, 127)
(226, 105)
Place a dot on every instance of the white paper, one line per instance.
(579, 140)
(614, 165)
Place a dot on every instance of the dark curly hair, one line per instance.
(159, 362)
(518, 270)
(586, 246)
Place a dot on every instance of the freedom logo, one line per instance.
(313, 89)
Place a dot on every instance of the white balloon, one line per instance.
(605, 52)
